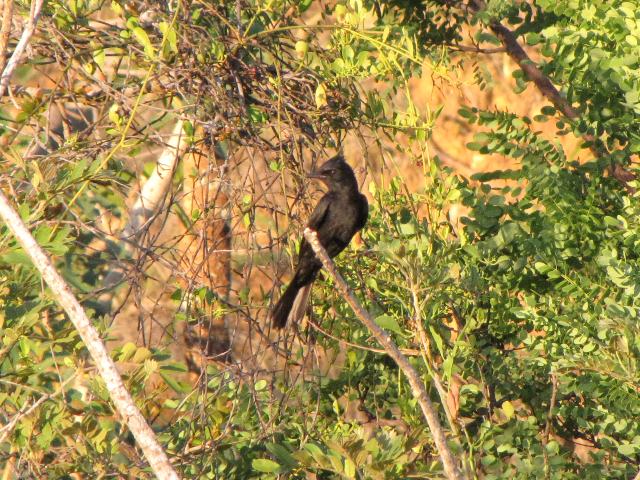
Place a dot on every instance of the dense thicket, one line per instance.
(515, 290)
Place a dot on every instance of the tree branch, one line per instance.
(106, 367)
(34, 15)
(417, 386)
(6, 8)
(151, 196)
(550, 92)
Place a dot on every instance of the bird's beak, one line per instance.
(317, 175)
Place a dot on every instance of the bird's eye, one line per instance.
(332, 171)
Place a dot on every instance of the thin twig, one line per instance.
(417, 387)
(122, 400)
(27, 410)
(409, 352)
(428, 358)
(151, 197)
(16, 56)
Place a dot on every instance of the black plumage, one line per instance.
(340, 213)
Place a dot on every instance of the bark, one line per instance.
(543, 83)
(16, 56)
(122, 400)
(6, 8)
(417, 386)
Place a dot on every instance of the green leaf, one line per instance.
(265, 465)
(627, 449)
(143, 39)
(282, 454)
(349, 468)
(388, 322)
(303, 5)
(127, 351)
(178, 387)
(447, 367)
(256, 115)
(170, 38)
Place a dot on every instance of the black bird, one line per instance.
(340, 213)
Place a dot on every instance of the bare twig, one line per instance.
(417, 386)
(34, 15)
(27, 410)
(428, 358)
(476, 49)
(151, 196)
(517, 53)
(409, 352)
(62, 293)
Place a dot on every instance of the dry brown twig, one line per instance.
(550, 92)
(417, 386)
(150, 198)
(6, 8)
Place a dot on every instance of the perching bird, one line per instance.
(340, 213)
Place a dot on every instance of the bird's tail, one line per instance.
(291, 306)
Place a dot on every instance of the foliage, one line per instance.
(531, 295)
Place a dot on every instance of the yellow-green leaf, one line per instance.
(143, 39)
(508, 409)
(321, 96)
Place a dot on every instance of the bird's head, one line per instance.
(334, 172)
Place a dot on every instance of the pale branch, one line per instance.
(550, 92)
(151, 197)
(417, 386)
(16, 56)
(122, 400)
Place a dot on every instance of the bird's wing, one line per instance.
(319, 213)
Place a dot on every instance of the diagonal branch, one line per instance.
(417, 386)
(16, 56)
(550, 92)
(122, 400)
